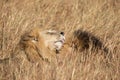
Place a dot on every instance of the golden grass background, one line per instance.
(99, 17)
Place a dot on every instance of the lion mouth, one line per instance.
(58, 44)
(60, 41)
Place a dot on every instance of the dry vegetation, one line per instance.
(99, 17)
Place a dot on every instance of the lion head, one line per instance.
(42, 43)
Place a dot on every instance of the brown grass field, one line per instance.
(99, 17)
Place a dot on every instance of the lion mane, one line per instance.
(34, 47)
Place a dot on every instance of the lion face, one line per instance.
(42, 43)
(53, 39)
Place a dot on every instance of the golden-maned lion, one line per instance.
(42, 44)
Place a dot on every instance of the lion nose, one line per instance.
(62, 33)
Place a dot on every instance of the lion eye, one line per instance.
(62, 33)
(35, 39)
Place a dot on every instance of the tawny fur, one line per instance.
(35, 46)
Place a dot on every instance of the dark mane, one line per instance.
(87, 40)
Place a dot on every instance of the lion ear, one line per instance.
(27, 37)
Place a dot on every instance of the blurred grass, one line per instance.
(100, 17)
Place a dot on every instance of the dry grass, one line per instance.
(100, 17)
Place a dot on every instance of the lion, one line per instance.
(42, 44)
(85, 41)
(39, 44)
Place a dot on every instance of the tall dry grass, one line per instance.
(99, 17)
